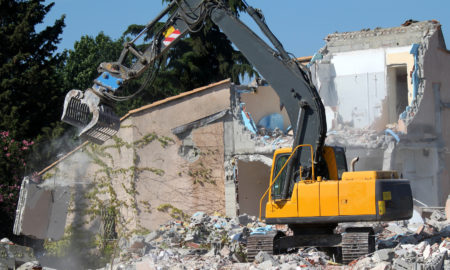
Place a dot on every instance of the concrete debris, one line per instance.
(352, 137)
(217, 242)
(214, 242)
(12, 255)
(34, 265)
(447, 208)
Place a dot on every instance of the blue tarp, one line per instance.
(272, 121)
(261, 230)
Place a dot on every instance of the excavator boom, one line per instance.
(297, 93)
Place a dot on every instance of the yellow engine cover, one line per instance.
(354, 195)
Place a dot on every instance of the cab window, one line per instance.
(341, 161)
(277, 187)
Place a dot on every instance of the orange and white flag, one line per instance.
(170, 35)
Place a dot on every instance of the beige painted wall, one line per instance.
(263, 102)
(403, 58)
(125, 166)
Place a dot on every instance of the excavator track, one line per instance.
(357, 244)
(260, 242)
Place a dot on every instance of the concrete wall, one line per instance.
(362, 79)
(147, 172)
(191, 185)
(355, 85)
(430, 127)
(252, 181)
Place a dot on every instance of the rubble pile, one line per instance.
(267, 142)
(347, 136)
(207, 242)
(13, 256)
(342, 136)
(213, 242)
(216, 242)
(417, 244)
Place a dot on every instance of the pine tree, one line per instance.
(30, 90)
(201, 58)
(30, 93)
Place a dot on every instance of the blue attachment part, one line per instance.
(108, 81)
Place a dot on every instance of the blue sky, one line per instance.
(300, 25)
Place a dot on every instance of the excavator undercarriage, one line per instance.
(343, 247)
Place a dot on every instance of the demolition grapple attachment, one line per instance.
(85, 110)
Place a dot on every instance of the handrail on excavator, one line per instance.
(282, 168)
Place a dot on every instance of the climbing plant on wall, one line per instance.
(106, 201)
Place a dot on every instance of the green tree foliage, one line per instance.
(29, 85)
(12, 164)
(200, 58)
(30, 92)
(204, 57)
(81, 65)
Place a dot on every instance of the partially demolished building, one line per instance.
(387, 99)
(395, 82)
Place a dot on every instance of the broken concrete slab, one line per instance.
(447, 208)
(34, 265)
(12, 255)
(383, 255)
(438, 215)
(41, 211)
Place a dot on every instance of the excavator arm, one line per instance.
(92, 110)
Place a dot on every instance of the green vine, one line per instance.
(201, 175)
(103, 200)
(174, 212)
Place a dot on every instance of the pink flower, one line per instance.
(24, 148)
(27, 143)
(12, 140)
(8, 154)
(5, 148)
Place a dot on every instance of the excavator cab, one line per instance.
(336, 165)
(333, 195)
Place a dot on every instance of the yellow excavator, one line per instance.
(310, 189)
